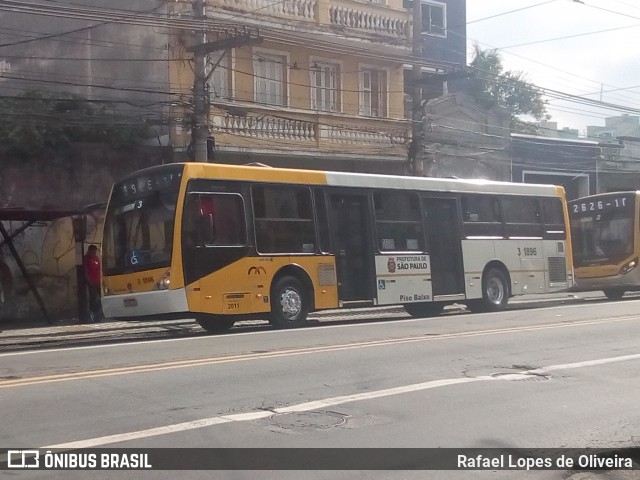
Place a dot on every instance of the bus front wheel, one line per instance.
(614, 293)
(215, 323)
(424, 309)
(289, 303)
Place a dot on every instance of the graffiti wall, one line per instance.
(80, 175)
(49, 253)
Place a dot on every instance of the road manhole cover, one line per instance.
(521, 377)
(308, 420)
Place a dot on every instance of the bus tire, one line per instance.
(614, 293)
(495, 292)
(215, 323)
(289, 303)
(424, 309)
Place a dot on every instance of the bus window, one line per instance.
(139, 232)
(481, 216)
(214, 220)
(554, 227)
(283, 219)
(398, 221)
(522, 217)
(323, 221)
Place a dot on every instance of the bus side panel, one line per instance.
(530, 273)
(475, 254)
(244, 287)
(527, 272)
(403, 278)
(535, 266)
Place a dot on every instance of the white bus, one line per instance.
(221, 243)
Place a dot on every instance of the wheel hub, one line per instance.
(291, 303)
(495, 291)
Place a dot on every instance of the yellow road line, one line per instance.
(64, 377)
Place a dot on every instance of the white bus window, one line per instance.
(522, 217)
(398, 221)
(553, 219)
(481, 216)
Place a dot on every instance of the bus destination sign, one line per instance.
(149, 183)
(605, 204)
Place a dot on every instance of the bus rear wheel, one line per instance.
(289, 303)
(495, 292)
(424, 309)
(614, 293)
(215, 323)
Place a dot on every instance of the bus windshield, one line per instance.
(602, 239)
(138, 233)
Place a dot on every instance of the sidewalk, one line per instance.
(43, 335)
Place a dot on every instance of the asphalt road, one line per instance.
(562, 376)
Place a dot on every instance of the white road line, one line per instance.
(325, 403)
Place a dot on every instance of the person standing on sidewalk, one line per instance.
(92, 277)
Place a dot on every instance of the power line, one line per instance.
(509, 12)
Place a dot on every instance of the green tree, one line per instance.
(491, 86)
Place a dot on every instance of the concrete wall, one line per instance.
(83, 175)
(100, 60)
(464, 141)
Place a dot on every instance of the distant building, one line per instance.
(615, 127)
(550, 129)
(570, 163)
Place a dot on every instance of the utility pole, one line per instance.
(416, 148)
(235, 36)
(200, 127)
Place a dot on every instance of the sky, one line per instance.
(599, 62)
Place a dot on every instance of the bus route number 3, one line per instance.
(528, 251)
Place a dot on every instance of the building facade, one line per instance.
(325, 86)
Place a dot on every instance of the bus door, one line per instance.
(445, 251)
(352, 243)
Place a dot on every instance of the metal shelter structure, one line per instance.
(29, 217)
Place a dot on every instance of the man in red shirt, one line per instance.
(92, 277)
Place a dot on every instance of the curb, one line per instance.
(51, 334)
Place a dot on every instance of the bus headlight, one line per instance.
(629, 266)
(165, 281)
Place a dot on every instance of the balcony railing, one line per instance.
(370, 21)
(373, 18)
(310, 132)
(299, 9)
(265, 127)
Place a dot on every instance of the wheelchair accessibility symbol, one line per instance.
(133, 259)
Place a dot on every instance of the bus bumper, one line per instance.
(624, 282)
(158, 302)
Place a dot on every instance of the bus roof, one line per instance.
(604, 195)
(346, 179)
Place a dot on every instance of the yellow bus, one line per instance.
(220, 243)
(606, 242)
